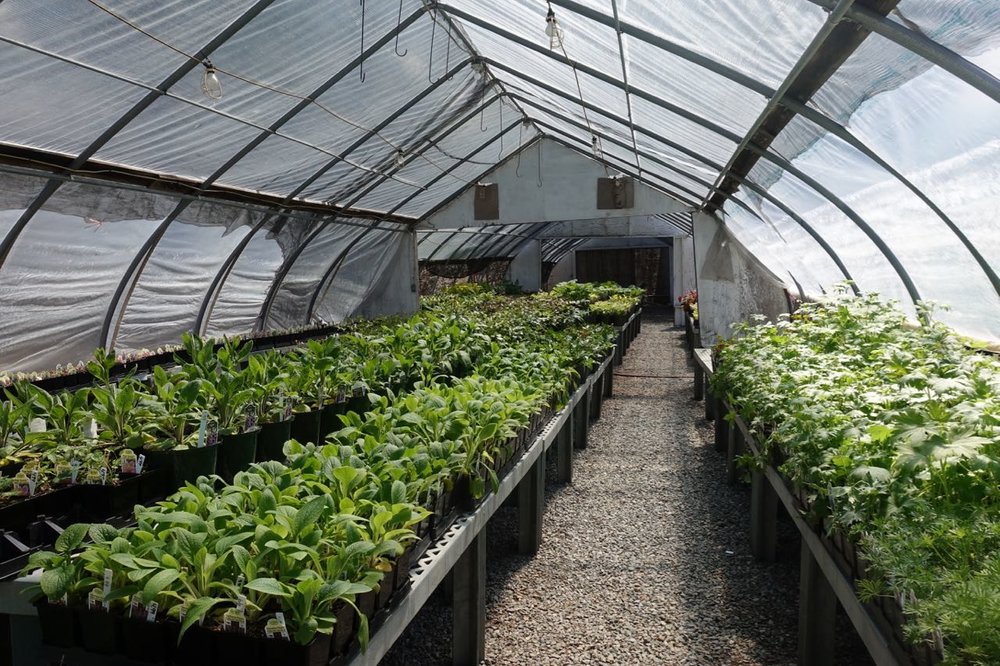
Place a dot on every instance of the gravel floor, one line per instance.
(645, 557)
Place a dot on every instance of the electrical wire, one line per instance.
(280, 91)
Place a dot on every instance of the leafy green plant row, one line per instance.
(892, 433)
(303, 539)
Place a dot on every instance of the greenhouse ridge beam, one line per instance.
(833, 44)
(925, 47)
(126, 118)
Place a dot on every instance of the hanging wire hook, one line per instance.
(399, 22)
(430, 61)
(361, 65)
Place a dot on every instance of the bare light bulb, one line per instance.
(553, 30)
(210, 83)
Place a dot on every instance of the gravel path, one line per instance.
(645, 558)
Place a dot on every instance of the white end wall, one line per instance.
(684, 276)
(732, 283)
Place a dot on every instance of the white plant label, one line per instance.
(74, 470)
(151, 612)
(94, 599)
(135, 608)
(36, 425)
(240, 582)
(202, 429)
(270, 630)
(104, 475)
(107, 589)
(139, 463)
(287, 413)
(241, 603)
(280, 617)
(32, 482)
(212, 433)
(250, 417)
(181, 612)
(92, 429)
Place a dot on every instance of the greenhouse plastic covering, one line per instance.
(133, 206)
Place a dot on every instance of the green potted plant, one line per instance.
(267, 379)
(230, 401)
(186, 441)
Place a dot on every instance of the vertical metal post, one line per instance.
(530, 506)
(763, 517)
(734, 444)
(581, 427)
(468, 646)
(722, 427)
(564, 448)
(817, 612)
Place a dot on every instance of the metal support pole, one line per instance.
(722, 428)
(530, 506)
(817, 612)
(468, 646)
(564, 448)
(581, 425)
(734, 444)
(699, 382)
(763, 517)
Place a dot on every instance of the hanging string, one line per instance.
(361, 65)
(399, 22)
(430, 60)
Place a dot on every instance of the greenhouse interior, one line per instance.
(337, 332)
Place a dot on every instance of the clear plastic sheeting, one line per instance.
(347, 288)
(166, 299)
(322, 133)
(57, 283)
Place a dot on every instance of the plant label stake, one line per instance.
(287, 412)
(241, 603)
(36, 425)
(276, 626)
(202, 428)
(250, 417)
(92, 430)
(106, 590)
(135, 608)
(139, 462)
(104, 476)
(151, 611)
(32, 482)
(212, 434)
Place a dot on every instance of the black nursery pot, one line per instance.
(19, 513)
(195, 648)
(271, 440)
(98, 631)
(148, 642)
(343, 629)
(58, 624)
(99, 502)
(185, 465)
(289, 653)
(236, 453)
(462, 493)
(330, 418)
(305, 427)
(238, 649)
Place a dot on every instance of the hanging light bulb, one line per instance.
(400, 159)
(553, 30)
(595, 146)
(210, 83)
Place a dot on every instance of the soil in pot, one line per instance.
(98, 631)
(58, 624)
(271, 440)
(305, 427)
(290, 653)
(236, 453)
